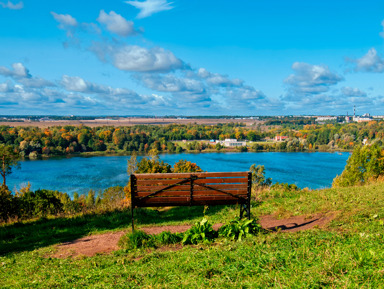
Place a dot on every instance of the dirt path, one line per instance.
(106, 243)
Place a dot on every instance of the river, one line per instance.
(79, 174)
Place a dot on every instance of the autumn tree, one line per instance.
(184, 166)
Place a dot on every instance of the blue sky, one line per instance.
(159, 57)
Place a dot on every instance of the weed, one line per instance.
(199, 232)
(240, 228)
(167, 238)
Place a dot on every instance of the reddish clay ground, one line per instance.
(294, 224)
(106, 243)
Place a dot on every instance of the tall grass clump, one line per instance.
(135, 240)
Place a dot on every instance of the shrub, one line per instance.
(365, 164)
(240, 228)
(7, 203)
(199, 232)
(258, 176)
(167, 238)
(285, 187)
(136, 239)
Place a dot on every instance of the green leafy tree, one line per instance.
(364, 165)
(8, 159)
(258, 176)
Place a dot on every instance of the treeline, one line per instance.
(59, 140)
(332, 136)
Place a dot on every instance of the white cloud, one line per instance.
(7, 87)
(205, 89)
(136, 58)
(115, 23)
(78, 84)
(310, 80)
(149, 7)
(171, 83)
(218, 79)
(19, 73)
(19, 70)
(352, 92)
(10, 5)
(370, 62)
(65, 20)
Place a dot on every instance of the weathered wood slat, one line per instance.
(188, 193)
(194, 203)
(198, 181)
(186, 175)
(185, 199)
(153, 188)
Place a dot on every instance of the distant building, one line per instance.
(229, 142)
(326, 118)
(280, 138)
(361, 119)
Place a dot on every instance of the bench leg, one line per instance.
(247, 209)
(133, 223)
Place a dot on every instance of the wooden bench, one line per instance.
(191, 189)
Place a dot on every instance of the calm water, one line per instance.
(313, 170)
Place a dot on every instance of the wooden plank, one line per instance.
(187, 187)
(197, 203)
(221, 181)
(158, 182)
(187, 175)
(194, 203)
(166, 182)
(185, 199)
(195, 193)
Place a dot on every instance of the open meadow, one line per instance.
(130, 121)
(344, 251)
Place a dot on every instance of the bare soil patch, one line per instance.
(106, 243)
(89, 246)
(296, 223)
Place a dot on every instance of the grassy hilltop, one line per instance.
(348, 253)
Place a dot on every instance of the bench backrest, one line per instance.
(190, 189)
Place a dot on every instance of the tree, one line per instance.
(365, 164)
(184, 166)
(8, 159)
(258, 176)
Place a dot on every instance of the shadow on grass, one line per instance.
(45, 232)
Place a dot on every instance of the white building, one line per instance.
(230, 142)
(326, 118)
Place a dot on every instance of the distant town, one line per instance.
(319, 119)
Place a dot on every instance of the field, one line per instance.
(129, 122)
(347, 252)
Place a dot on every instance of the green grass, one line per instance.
(349, 253)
